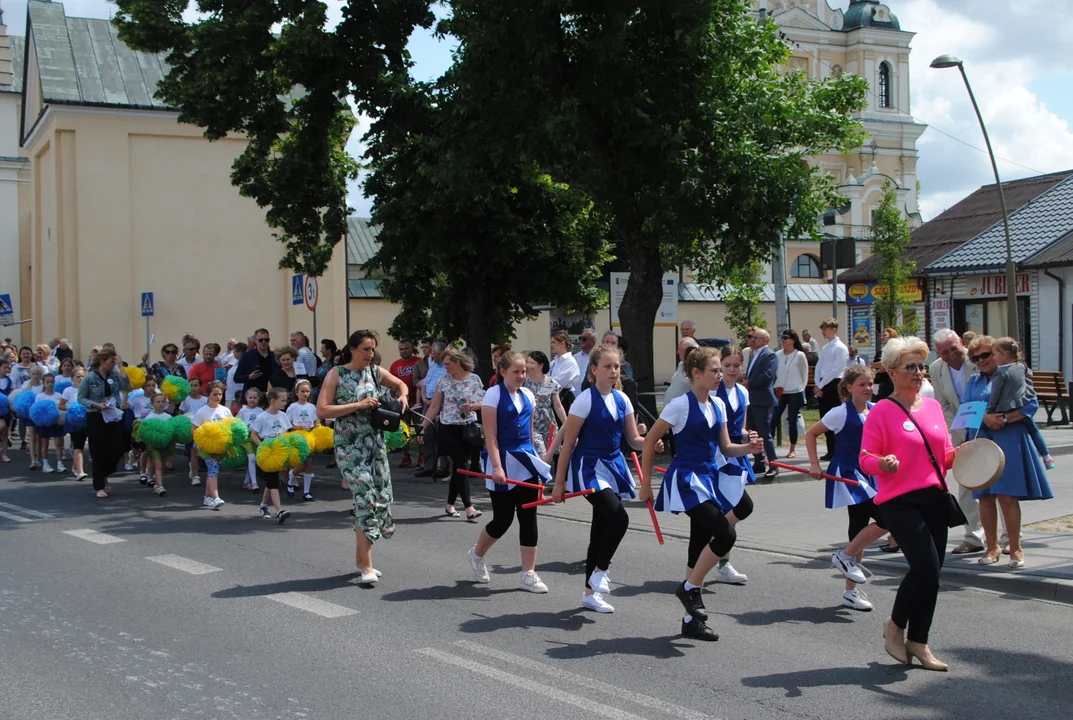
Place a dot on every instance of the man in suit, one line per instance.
(948, 376)
(760, 369)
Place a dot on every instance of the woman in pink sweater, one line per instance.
(908, 450)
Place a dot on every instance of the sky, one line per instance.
(1016, 56)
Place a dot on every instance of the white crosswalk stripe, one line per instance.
(311, 604)
(93, 536)
(177, 562)
(21, 514)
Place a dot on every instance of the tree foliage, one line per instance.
(890, 237)
(743, 291)
(275, 72)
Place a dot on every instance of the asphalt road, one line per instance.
(180, 612)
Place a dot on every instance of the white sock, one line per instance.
(307, 482)
(473, 552)
(690, 586)
(251, 468)
(687, 619)
(290, 479)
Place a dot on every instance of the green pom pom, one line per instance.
(156, 434)
(299, 447)
(240, 434)
(184, 431)
(235, 459)
(175, 388)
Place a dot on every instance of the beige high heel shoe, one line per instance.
(889, 631)
(924, 654)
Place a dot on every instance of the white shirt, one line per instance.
(248, 414)
(189, 406)
(679, 386)
(927, 389)
(491, 398)
(157, 416)
(227, 358)
(676, 413)
(582, 360)
(70, 395)
(814, 346)
(583, 404)
(792, 375)
(958, 378)
(208, 414)
(564, 370)
(732, 395)
(302, 415)
(269, 425)
(141, 405)
(835, 419)
(187, 365)
(306, 364)
(53, 398)
(832, 362)
(233, 387)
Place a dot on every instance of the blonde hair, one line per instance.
(698, 359)
(1011, 347)
(289, 350)
(898, 347)
(980, 341)
(464, 361)
(562, 337)
(853, 373)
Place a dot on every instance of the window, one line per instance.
(806, 266)
(884, 86)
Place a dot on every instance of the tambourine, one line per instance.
(979, 464)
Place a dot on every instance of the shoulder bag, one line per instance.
(955, 516)
(386, 416)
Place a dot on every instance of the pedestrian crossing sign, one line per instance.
(297, 290)
(147, 304)
(7, 311)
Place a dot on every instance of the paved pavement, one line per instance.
(141, 607)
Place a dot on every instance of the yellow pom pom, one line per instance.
(136, 376)
(212, 438)
(273, 454)
(321, 438)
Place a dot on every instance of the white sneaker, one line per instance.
(857, 600)
(596, 602)
(479, 569)
(60, 467)
(727, 574)
(374, 570)
(128, 467)
(217, 503)
(209, 503)
(848, 566)
(195, 481)
(600, 582)
(45, 467)
(369, 578)
(531, 581)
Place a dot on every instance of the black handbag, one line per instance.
(386, 416)
(473, 434)
(955, 516)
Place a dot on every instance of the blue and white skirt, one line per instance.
(590, 472)
(842, 495)
(520, 464)
(685, 487)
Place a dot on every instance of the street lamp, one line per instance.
(948, 61)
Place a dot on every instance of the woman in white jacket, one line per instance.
(790, 381)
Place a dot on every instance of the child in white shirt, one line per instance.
(141, 404)
(155, 465)
(269, 424)
(51, 432)
(78, 438)
(213, 411)
(194, 402)
(247, 415)
(34, 385)
(303, 416)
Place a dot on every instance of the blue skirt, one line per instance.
(686, 486)
(49, 431)
(839, 494)
(519, 464)
(1024, 477)
(589, 472)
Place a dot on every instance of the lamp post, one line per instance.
(948, 61)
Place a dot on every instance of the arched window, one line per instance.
(884, 86)
(806, 266)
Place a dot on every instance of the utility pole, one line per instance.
(778, 278)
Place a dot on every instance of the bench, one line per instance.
(1052, 394)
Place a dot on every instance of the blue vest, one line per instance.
(601, 435)
(697, 443)
(512, 426)
(848, 447)
(735, 419)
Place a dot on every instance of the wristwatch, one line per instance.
(1005, 420)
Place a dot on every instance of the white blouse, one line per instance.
(792, 375)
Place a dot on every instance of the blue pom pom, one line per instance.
(4, 407)
(62, 384)
(76, 418)
(22, 403)
(44, 412)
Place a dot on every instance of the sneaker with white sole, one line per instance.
(857, 600)
(377, 572)
(596, 602)
(45, 467)
(369, 577)
(218, 503)
(531, 581)
(60, 467)
(725, 573)
(195, 481)
(128, 467)
(160, 492)
(264, 512)
(282, 515)
(143, 479)
(478, 568)
(207, 502)
(848, 566)
(600, 582)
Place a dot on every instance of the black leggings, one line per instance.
(462, 455)
(917, 520)
(609, 524)
(105, 447)
(708, 525)
(504, 507)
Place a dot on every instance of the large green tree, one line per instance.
(890, 237)
(276, 72)
(674, 117)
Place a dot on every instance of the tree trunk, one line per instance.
(638, 315)
(478, 337)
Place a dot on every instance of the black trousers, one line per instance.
(105, 447)
(610, 521)
(463, 457)
(792, 402)
(917, 520)
(505, 505)
(708, 525)
(828, 401)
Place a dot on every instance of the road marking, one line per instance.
(587, 683)
(311, 604)
(597, 708)
(186, 565)
(16, 518)
(93, 536)
(27, 511)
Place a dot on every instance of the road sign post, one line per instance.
(148, 310)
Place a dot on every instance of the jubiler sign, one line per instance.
(986, 286)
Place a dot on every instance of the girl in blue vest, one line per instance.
(846, 421)
(507, 415)
(591, 458)
(703, 447)
(737, 472)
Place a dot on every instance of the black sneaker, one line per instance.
(144, 480)
(691, 601)
(282, 516)
(291, 489)
(697, 630)
(308, 497)
(264, 512)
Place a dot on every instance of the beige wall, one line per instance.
(126, 202)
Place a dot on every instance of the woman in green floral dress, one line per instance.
(348, 395)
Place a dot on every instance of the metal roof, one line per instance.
(804, 293)
(361, 242)
(364, 289)
(17, 51)
(82, 61)
(957, 225)
(1042, 222)
(1060, 253)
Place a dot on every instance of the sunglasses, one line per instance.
(750, 337)
(171, 352)
(261, 340)
(913, 368)
(982, 356)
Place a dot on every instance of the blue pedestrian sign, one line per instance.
(147, 304)
(7, 310)
(297, 290)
